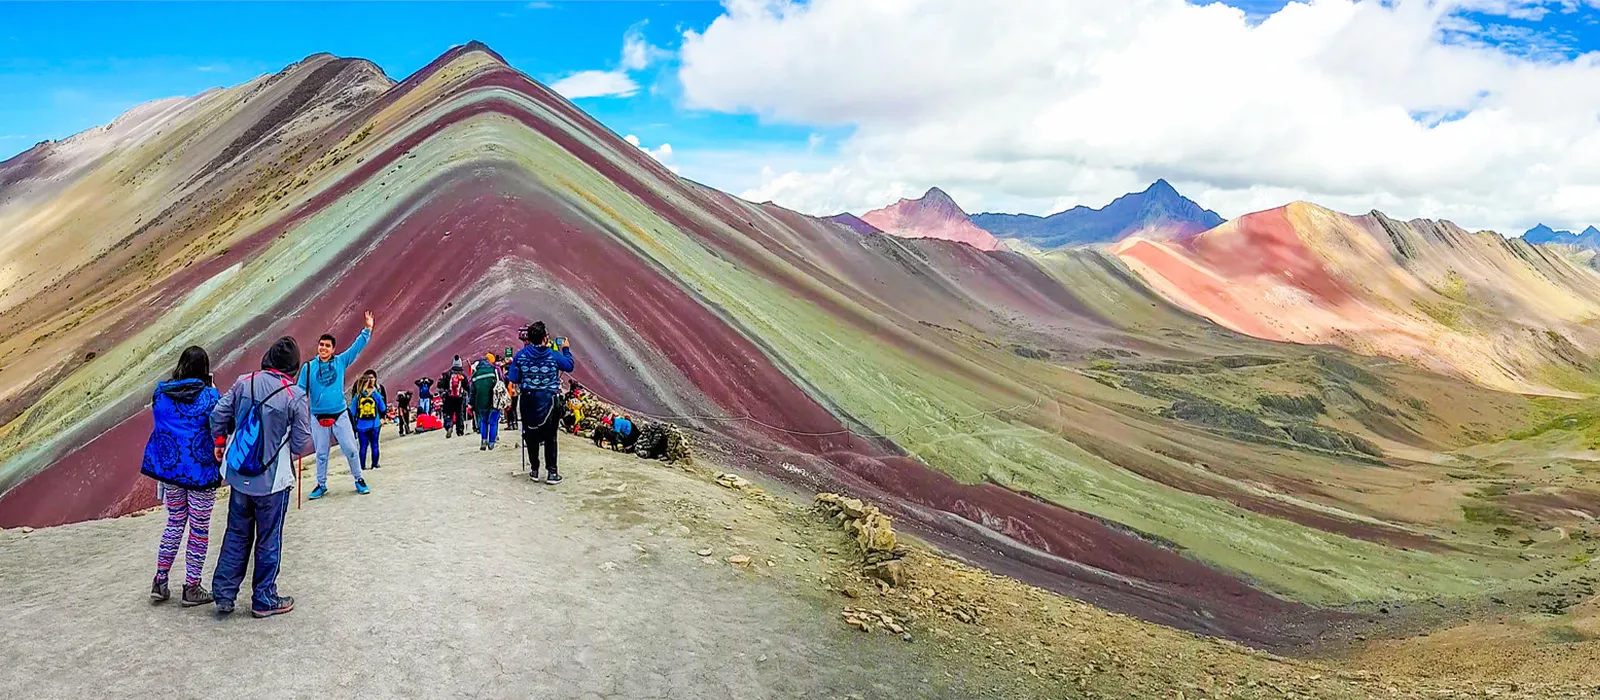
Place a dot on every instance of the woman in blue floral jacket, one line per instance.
(181, 456)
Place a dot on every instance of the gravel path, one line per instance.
(453, 578)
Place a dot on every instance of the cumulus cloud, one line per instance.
(637, 54)
(662, 153)
(1043, 104)
(596, 83)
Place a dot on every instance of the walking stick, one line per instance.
(299, 488)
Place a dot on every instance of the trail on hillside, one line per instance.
(454, 577)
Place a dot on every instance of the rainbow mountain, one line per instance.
(1055, 417)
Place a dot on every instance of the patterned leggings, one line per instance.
(194, 508)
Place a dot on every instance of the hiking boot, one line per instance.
(280, 605)
(361, 487)
(552, 479)
(224, 607)
(483, 446)
(194, 594)
(447, 433)
(491, 445)
(318, 492)
(159, 592)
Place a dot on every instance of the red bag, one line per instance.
(426, 422)
(456, 380)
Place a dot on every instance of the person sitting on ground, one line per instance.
(617, 433)
(323, 379)
(367, 407)
(484, 379)
(180, 458)
(572, 418)
(537, 369)
(627, 434)
(269, 418)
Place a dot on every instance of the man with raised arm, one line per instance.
(323, 379)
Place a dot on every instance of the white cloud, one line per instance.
(595, 83)
(662, 153)
(1044, 104)
(637, 52)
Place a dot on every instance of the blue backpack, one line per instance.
(244, 454)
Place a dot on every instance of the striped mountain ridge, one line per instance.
(1497, 311)
(965, 390)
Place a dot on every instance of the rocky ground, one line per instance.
(634, 579)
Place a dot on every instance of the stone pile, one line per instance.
(873, 533)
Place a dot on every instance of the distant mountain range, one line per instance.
(1590, 238)
(1157, 209)
(933, 215)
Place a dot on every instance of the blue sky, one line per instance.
(65, 67)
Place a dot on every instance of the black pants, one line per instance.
(408, 422)
(455, 414)
(539, 422)
(511, 413)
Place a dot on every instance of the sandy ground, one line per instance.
(457, 578)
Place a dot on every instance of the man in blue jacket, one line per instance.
(536, 370)
(323, 379)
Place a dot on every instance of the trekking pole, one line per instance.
(299, 488)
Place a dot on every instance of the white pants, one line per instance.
(322, 438)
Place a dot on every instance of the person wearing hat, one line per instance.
(485, 376)
(272, 405)
(455, 386)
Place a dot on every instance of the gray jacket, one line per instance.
(286, 414)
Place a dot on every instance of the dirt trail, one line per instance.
(456, 577)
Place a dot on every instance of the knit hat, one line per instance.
(456, 363)
(284, 356)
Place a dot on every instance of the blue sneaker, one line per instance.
(361, 487)
(317, 492)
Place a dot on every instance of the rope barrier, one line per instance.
(844, 431)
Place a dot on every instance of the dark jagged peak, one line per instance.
(477, 46)
(936, 198)
(1159, 208)
(1541, 234)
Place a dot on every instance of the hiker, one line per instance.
(424, 395)
(453, 385)
(537, 370)
(485, 377)
(403, 401)
(382, 392)
(323, 379)
(179, 456)
(367, 408)
(510, 409)
(268, 415)
(501, 404)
